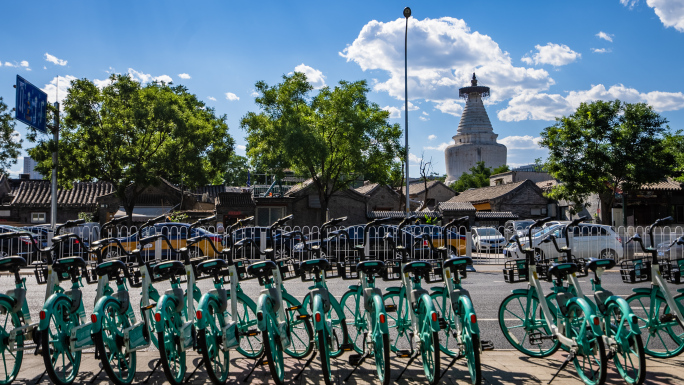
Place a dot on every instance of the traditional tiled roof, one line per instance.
(235, 199)
(299, 187)
(456, 206)
(668, 184)
(485, 194)
(367, 188)
(213, 191)
(38, 193)
(547, 185)
(495, 215)
(419, 187)
(400, 214)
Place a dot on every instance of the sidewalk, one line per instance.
(499, 367)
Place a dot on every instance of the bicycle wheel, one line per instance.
(60, 362)
(664, 335)
(472, 353)
(629, 358)
(117, 363)
(356, 322)
(210, 341)
(274, 351)
(300, 330)
(448, 344)
(399, 323)
(590, 360)
(429, 346)
(381, 352)
(339, 334)
(519, 317)
(11, 359)
(323, 351)
(250, 346)
(170, 352)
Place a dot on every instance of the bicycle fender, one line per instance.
(161, 304)
(263, 307)
(97, 312)
(318, 311)
(626, 309)
(588, 311)
(380, 313)
(10, 301)
(469, 310)
(353, 287)
(394, 289)
(524, 291)
(648, 290)
(203, 308)
(434, 320)
(439, 289)
(48, 309)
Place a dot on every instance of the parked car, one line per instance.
(487, 239)
(281, 243)
(517, 226)
(178, 234)
(72, 247)
(588, 241)
(454, 240)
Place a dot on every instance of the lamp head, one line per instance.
(407, 12)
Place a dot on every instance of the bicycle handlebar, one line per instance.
(67, 224)
(150, 223)
(111, 223)
(637, 238)
(406, 221)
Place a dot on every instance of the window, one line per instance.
(37, 217)
(265, 216)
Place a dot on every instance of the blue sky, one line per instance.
(541, 59)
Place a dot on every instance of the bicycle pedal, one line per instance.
(442, 323)
(249, 333)
(148, 307)
(294, 308)
(347, 347)
(487, 345)
(536, 338)
(403, 353)
(668, 318)
(264, 363)
(304, 316)
(390, 308)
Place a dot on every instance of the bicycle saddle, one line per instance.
(420, 268)
(457, 263)
(562, 270)
(168, 269)
(309, 265)
(261, 269)
(594, 264)
(371, 267)
(12, 263)
(110, 268)
(212, 266)
(63, 265)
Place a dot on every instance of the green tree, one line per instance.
(603, 147)
(10, 145)
(236, 171)
(674, 143)
(478, 177)
(334, 137)
(131, 134)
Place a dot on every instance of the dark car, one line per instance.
(281, 243)
(20, 246)
(72, 247)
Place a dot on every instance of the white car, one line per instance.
(487, 239)
(587, 241)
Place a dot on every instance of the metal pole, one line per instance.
(407, 14)
(55, 137)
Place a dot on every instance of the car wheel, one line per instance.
(607, 254)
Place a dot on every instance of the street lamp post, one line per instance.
(407, 14)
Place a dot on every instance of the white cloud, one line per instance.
(395, 113)
(254, 94)
(432, 137)
(443, 54)
(423, 118)
(241, 147)
(163, 78)
(413, 158)
(146, 78)
(8, 64)
(313, 76)
(526, 142)
(600, 50)
(231, 96)
(16, 136)
(102, 83)
(670, 12)
(24, 63)
(542, 106)
(213, 99)
(55, 60)
(605, 36)
(0, 63)
(52, 89)
(554, 54)
(184, 76)
(441, 147)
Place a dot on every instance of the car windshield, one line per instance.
(486, 232)
(523, 225)
(545, 231)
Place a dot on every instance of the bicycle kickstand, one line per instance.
(156, 366)
(95, 376)
(39, 377)
(194, 371)
(356, 360)
(412, 357)
(565, 363)
(307, 363)
(450, 365)
(259, 361)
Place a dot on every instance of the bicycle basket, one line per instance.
(543, 271)
(516, 271)
(333, 271)
(41, 272)
(347, 270)
(671, 270)
(289, 269)
(392, 270)
(436, 275)
(636, 270)
(582, 265)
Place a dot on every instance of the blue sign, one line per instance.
(31, 105)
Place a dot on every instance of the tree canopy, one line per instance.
(131, 134)
(10, 144)
(334, 137)
(604, 147)
(478, 177)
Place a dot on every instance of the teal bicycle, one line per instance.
(284, 324)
